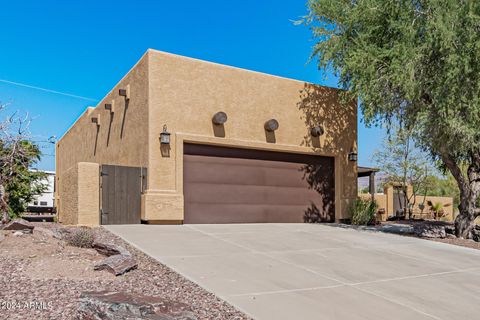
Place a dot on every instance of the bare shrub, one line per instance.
(81, 237)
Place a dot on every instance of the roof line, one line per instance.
(241, 69)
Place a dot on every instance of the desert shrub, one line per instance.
(81, 237)
(363, 211)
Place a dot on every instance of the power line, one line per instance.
(46, 90)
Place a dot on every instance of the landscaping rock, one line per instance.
(397, 228)
(109, 249)
(429, 230)
(475, 233)
(65, 232)
(18, 234)
(450, 229)
(51, 232)
(117, 264)
(19, 224)
(121, 305)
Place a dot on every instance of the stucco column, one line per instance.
(163, 200)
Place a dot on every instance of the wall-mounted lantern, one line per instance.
(219, 118)
(317, 131)
(165, 136)
(271, 125)
(352, 156)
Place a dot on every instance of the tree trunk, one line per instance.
(406, 208)
(464, 223)
(469, 186)
(5, 218)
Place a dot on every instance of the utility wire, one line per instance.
(46, 90)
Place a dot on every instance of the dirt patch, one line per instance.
(42, 277)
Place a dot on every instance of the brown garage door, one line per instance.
(230, 185)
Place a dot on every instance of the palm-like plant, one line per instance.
(437, 208)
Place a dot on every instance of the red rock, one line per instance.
(19, 224)
(121, 305)
(117, 264)
(109, 249)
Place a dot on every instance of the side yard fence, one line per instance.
(389, 204)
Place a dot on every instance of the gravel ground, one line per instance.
(49, 276)
(403, 229)
(455, 241)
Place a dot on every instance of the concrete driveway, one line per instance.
(306, 271)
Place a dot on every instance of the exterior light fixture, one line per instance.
(271, 125)
(165, 136)
(219, 118)
(317, 131)
(352, 156)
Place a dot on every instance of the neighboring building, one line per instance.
(180, 140)
(44, 203)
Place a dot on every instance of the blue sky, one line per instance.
(85, 47)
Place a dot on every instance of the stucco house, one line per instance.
(180, 140)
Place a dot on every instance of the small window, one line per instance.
(35, 203)
(43, 203)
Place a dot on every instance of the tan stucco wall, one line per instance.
(121, 138)
(185, 93)
(67, 208)
(385, 201)
(380, 198)
(88, 193)
(443, 200)
(81, 195)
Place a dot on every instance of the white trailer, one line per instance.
(44, 203)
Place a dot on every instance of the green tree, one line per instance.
(443, 187)
(22, 184)
(18, 154)
(414, 60)
(404, 164)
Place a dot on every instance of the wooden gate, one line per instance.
(121, 189)
(398, 202)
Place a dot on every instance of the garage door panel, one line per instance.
(212, 159)
(227, 185)
(236, 194)
(231, 213)
(272, 173)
